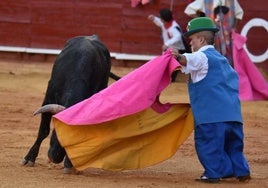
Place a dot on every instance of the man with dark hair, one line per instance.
(171, 32)
(166, 15)
(171, 35)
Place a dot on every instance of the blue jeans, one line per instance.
(219, 147)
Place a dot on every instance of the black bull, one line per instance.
(80, 70)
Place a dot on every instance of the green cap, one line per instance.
(200, 24)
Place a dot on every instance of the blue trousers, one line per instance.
(219, 147)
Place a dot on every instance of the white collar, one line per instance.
(203, 48)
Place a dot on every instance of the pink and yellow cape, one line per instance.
(125, 126)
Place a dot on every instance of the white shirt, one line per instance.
(172, 37)
(197, 64)
(196, 5)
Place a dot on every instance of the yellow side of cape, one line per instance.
(131, 142)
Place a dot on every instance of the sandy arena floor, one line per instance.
(22, 88)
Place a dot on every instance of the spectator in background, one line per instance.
(226, 15)
(171, 33)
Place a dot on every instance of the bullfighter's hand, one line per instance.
(174, 52)
(164, 48)
(151, 17)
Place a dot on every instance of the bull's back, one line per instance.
(81, 69)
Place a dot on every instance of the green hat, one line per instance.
(200, 24)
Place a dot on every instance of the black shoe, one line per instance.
(244, 178)
(208, 180)
(226, 177)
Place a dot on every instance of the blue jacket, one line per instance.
(215, 98)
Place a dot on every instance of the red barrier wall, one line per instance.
(124, 29)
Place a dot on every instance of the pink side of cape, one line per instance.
(252, 85)
(133, 93)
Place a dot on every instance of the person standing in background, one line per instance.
(226, 15)
(171, 32)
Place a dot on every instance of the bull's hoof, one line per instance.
(71, 171)
(25, 162)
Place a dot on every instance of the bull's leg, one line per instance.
(43, 132)
(68, 166)
(67, 162)
(56, 153)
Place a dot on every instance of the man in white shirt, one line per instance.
(214, 97)
(171, 35)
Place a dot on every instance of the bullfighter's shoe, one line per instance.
(244, 178)
(208, 180)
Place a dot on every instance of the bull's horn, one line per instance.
(52, 108)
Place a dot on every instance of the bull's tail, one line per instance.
(114, 76)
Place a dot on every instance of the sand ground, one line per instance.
(22, 88)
